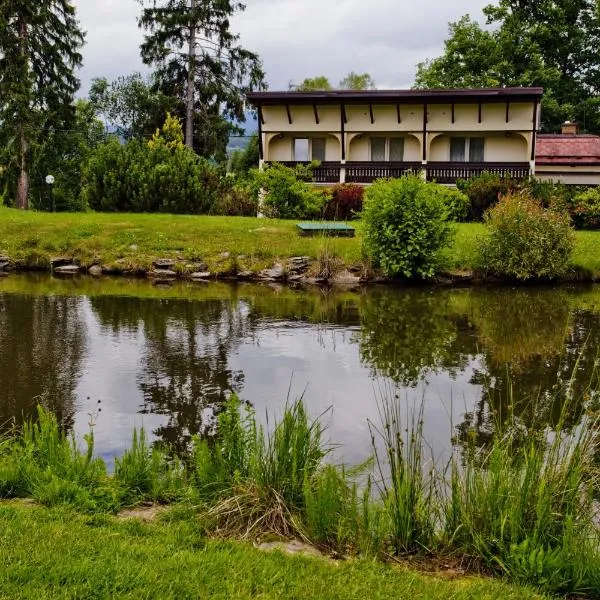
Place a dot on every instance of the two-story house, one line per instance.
(360, 136)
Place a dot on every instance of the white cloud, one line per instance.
(295, 38)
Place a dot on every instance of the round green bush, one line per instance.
(406, 226)
(456, 202)
(525, 240)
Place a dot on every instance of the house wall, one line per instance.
(498, 147)
(360, 147)
(493, 117)
(568, 175)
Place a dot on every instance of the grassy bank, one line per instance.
(520, 507)
(131, 242)
(57, 553)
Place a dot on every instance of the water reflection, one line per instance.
(174, 355)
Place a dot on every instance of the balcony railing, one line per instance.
(326, 172)
(367, 172)
(446, 172)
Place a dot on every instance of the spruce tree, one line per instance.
(200, 63)
(39, 52)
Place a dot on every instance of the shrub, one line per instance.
(484, 191)
(345, 203)
(236, 200)
(288, 194)
(405, 226)
(585, 209)
(525, 240)
(158, 176)
(455, 201)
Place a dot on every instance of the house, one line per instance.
(360, 136)
(568, 157)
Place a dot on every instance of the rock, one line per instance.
(134, 247)
(60, 261)
(67, 270)
(201, 275)
(241, 257)
(300, 261)
(196, 267)
(163, 263)
(245, 275)
(356, 269)
(162, 274)
(345, 278)
(276, 273)
(5, 263)
(293, 547)
(224, 255)
(95, 271)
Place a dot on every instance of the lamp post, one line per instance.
(50, 181)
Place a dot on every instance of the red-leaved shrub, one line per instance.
(345, 203)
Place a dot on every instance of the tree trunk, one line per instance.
(189, 113)
(23, 187)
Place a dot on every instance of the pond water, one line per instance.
(122, 353)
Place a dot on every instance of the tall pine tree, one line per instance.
(39, 52)
(199, 61)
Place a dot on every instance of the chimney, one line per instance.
(569, 128)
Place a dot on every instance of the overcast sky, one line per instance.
(295, 38)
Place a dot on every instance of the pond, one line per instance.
(121, 353)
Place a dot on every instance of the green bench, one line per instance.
(328, 229)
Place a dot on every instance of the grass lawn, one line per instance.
(130, 241)
(56, 553)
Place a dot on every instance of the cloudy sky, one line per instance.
(295, 38)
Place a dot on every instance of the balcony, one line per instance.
(326, 172)
(367, 172)
(449, 173)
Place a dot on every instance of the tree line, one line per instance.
(201, 74)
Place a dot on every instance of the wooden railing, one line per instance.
(445, 172)
(367, 172)
(326, 172)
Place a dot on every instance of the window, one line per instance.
(318, 149)
(307, 149)
(387, 149)
(301, 149)
(461, 148)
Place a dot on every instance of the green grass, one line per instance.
(56, 553)
(133, 241)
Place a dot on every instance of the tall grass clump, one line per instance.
(45, 464)
(148, 473)
(275, 482)
(524, 508)
(407, 491)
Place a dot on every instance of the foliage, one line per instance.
(131, 103)
(524, 506)
(242, 161)
(516, 51)
(315, 84)
(288, 194)
(483, 192)
(157, 176)
(236, 199)
(145, 473)
(37, 83)
(456, 202)
(525, 240)
(357, 81)
(64, 155)
(405, 227)
(345, 202)
(195, 45)
(585, 209)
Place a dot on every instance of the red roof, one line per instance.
(567, 150)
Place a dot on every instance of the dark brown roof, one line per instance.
(567, 150)
(398, 96)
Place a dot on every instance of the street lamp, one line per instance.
(50, 181)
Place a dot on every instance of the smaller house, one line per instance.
(568, 157)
